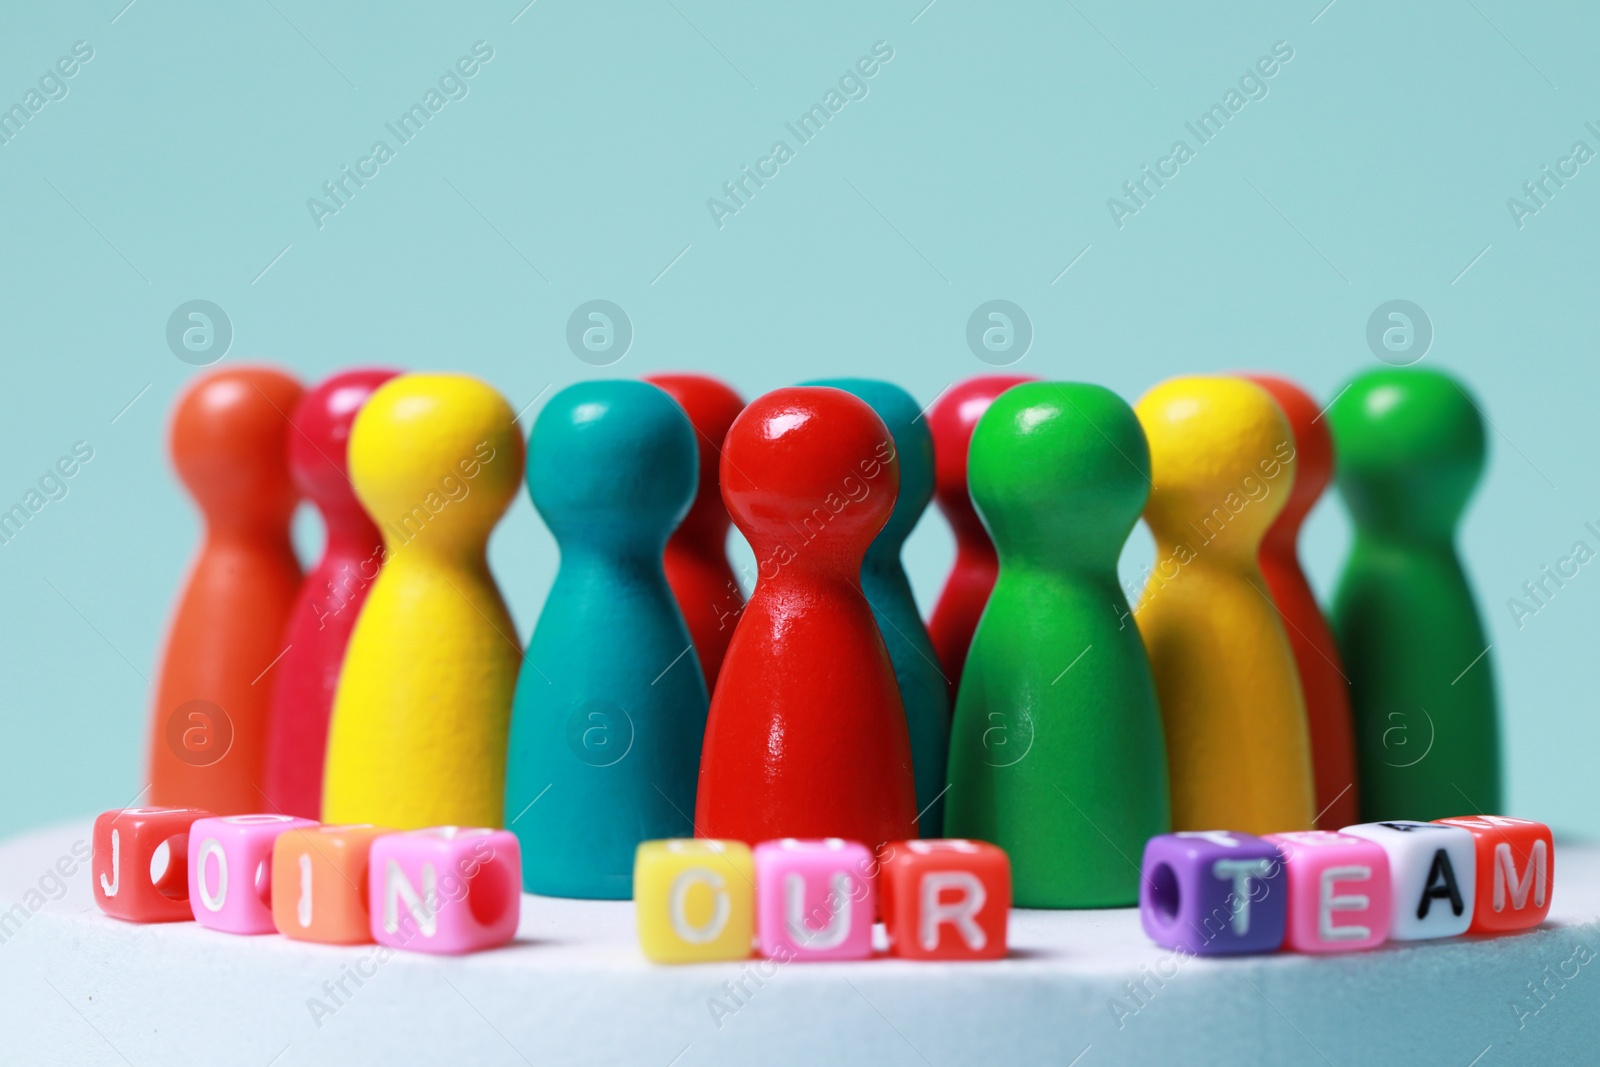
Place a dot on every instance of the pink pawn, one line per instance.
(230, 871)
(325, 611)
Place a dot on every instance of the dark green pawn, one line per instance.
(1057, 753)
(923, 688)
(1410, 450)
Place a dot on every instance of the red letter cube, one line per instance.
(1516, 871)
(945, 899)
(125, 843)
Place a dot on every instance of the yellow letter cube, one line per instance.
(694, 900)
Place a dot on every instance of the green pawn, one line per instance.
(1410, 449)
(1057, 753)
(924, 690)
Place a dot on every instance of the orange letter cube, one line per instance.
(1516, 871)
(320, 879)
(125, 842)
(945, 899)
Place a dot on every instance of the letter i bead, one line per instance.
(694, 899)
(319, 874)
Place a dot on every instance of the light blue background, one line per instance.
(579, 165)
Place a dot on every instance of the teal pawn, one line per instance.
(923, 688)
(610, 705)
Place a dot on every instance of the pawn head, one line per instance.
(1060, 470)
(229, 438)
(1313, 446)
(1222, 459)
(951, 420)
(809, 473)
(1411, 449)
(913, 444)
(612, 461)
(711, 406)
(318, 447)
(436, 459)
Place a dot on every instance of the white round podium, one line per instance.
(1084, 988)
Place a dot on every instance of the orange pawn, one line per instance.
(228, 437)
(1316, 655)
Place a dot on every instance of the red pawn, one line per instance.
(330, 598)
(697, 554)
(807, 736)
(966, 590)
(1316, 655)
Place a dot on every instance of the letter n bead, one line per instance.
(1516, 871)
(694, 899)
(126, 841)
(230, 870)
(320, 875)
(1213, 893)
(1432, 876)
(1339, 891)
(445, 890)
(945, 899)
(815, 900)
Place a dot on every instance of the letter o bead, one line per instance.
(1340, 897)
(230, 870)
(694, 899)
(1213, 893)
(126, 841)
(815, 900)
(945, 899)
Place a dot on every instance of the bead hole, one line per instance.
(1164, 893)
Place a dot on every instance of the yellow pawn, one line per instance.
(1222, 459)
(418, 736)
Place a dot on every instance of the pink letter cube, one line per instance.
(445, 890)
(814, 899)
(1338, 891)
(230, 870)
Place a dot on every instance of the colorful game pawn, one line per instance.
(208, 732)
(418, 736)
(1222, 461)
(1316, 655)
(1411, 450)
(610, 708)
(807, 736)
(1057, 752)
(955, 614)
(330, 598)
(923, 688)
(697, 553)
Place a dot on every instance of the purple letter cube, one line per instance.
(1213, 893)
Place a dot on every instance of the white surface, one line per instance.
(77, 988)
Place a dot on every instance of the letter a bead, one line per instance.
(815, 900)
(230, 870)
(694, 899)
(320, 875)
(125, 843)
(1338, 889)
(1432, 876)
(1213, 893)
(445, 890)
(945, 899)
(1516, 871)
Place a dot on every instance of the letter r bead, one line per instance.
(945, 899)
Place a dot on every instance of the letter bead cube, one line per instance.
(1213, 893)
(126, 841)
(230, 870)
(694, 899)
(1338, 891)
(445, 890)
(1516, 871)
(815, 900)
(1432, 876)
(321, 877)
(945, 899)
